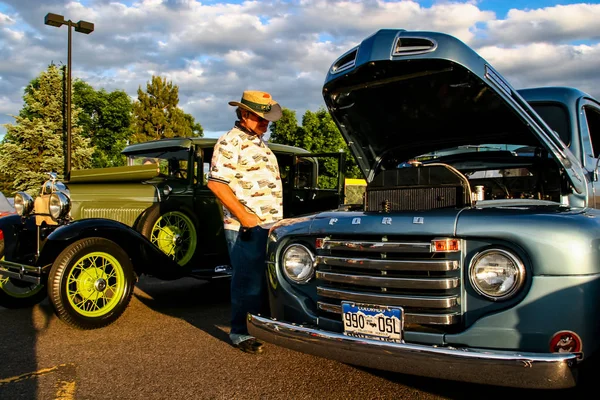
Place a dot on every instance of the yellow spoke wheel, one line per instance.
(91, 283)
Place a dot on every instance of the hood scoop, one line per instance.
(413, 45)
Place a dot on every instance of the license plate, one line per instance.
(373, 321)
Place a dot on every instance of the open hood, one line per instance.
(400, 95)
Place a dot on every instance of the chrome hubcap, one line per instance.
(100, 285)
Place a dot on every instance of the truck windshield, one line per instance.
(557, 118)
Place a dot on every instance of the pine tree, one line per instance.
(157, 115)
(35, 143)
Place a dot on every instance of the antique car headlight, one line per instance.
(23, 203)
(298, 263)
(59, 206)
(496, 274)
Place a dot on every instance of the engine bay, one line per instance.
(462, 176)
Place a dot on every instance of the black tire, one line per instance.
(173, 231)
(18, 294)
(91, 283)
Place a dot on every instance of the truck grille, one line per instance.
(127, 216)
(411, 199)
(427, 187)
(405, 274)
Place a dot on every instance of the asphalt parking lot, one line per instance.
(172, 343)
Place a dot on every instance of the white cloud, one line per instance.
(215, 50)
(545, 64)
(550, 24)
(6, 20)
(8, 106)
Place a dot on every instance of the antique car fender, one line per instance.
(146, 257)
(16, 293)
(8, 225)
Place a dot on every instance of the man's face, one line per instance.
(255, 123)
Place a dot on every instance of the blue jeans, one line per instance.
(247, 255)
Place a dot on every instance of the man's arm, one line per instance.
(227, 197)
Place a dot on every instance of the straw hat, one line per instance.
(260, 103)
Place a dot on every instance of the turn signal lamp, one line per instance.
(319, 243)
(445, 245)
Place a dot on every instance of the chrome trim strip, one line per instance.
(390, 265)
(378, 247)
(440, 302)
(496, 78)
(332, 308)
(26, 273)
(485, 366)
(409, 318)
(124, 215)
(390, 282)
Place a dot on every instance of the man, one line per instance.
(244, 175)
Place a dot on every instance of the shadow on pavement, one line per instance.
(461, 390)
(205, 305)
(18, 355)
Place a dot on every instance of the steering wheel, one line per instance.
(179, 173)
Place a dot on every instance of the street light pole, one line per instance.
(83, 27)
(68, 158)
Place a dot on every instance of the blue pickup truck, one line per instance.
(476, 253)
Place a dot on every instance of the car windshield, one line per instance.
(5, 206)
(170, 163)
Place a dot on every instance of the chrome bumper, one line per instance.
(22, 272)
(491, 367)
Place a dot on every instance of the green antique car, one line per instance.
(85, 242)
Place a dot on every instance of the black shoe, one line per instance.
(251, 346)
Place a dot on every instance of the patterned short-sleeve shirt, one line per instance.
(249, 167)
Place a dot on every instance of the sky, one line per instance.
(214, 50)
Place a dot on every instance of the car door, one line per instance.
(208, 211)
(314, 182)
(589, 126)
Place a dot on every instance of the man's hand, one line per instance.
(250, 220)
(227, 197)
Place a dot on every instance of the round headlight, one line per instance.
(59, 206)
(496, 274)
(23, 203)
(298, 263)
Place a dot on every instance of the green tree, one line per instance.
(286, 130)
(106, 120)
(157, 115)
(197, 130)
(34, 144)
(318, 134)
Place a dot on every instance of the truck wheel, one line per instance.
(91, 283)
(173, 232)
(18, 294)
